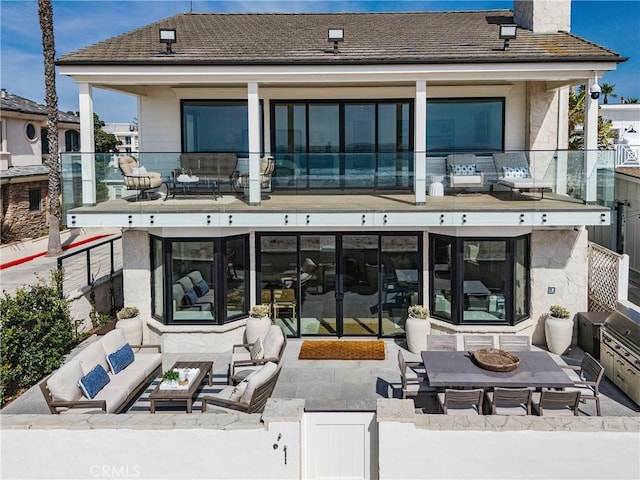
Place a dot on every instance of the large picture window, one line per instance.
(479, 280)
(465, 124)
(215, 126)
(199, 281)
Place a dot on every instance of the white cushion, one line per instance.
(128, 379)
(257, 352)
(273, 342)
(525, 183)
(238, 391)
(113, 396)
(256, 379)
(92, 355)
(147, 362)
(63, 384)
(112, 341)
(225, 393)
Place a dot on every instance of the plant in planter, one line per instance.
(558, 329)
(171, 376)
(258, 322)
(128, 312)
(417, 327)
(129, 322)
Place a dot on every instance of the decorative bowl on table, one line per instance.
(495, 360)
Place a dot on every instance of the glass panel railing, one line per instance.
(564, 175)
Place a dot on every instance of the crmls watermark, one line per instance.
(114, 471)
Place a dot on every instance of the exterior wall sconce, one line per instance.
(335, 35)
(168, 36)
(508, 32)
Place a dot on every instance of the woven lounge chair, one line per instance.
(137, 178)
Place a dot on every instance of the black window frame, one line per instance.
(35, 199)
(220, 272)
(457, 270)
(452, 100)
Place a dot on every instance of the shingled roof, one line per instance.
(13, 103)
(370, 38)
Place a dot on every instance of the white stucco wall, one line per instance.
(136, 274)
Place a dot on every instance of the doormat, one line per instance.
(342, 350)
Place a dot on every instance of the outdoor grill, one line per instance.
(620, 350)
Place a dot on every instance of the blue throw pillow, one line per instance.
(121, 358)
(190, 297)
(93, 382)
(201, 288)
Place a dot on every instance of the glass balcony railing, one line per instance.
(565, 175)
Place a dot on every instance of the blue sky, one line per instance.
(79, 23)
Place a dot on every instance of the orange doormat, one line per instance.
(341, 350)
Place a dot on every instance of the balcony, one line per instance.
(369, 189)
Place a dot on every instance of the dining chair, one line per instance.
(509, 401)
(590, 372)
(413, 377)
(556, 403)
(461, 402)
(442, 342)
(474, 342)
(515, 343)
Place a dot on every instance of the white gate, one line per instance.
(340, 445)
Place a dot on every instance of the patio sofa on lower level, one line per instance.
(104, 377)
(191, 292)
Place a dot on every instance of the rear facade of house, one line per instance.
(359, 218)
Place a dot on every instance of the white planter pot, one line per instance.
(256, 327)
(558, 333)
(417, 330)
(132, 329)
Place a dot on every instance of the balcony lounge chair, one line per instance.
(249, 396)
(461, 402)
(590, 373)
(514, 172)
(509, 401)
(267, 165)
(137, 177)
(551, 403)
(463, 173)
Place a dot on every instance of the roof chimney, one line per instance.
(543, 16)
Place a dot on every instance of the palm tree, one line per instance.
(607, 91)
(45, 14)
(631, 100)
(576, 116)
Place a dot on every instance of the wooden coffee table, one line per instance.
(187, 395)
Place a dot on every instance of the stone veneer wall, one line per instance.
(558, 260)
(543, 16)
(18, 222)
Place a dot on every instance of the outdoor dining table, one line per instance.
(458, 369)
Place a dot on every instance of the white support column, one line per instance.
(563, 141)
(87, 144)
(420, 143)
(591, 145)
(254, 143)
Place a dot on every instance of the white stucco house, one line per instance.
(368, 117)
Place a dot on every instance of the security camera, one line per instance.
(595, 91)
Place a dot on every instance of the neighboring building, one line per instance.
(127, 135)
(23, 174)
(625, 119)
(358, 128)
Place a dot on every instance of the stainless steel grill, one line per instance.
(620, 350)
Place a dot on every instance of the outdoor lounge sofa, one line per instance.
(212, 169)
(62, 390)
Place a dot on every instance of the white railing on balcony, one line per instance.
(625, 156)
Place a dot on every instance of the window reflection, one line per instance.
(193, 289)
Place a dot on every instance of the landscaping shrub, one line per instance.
(35, 332)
